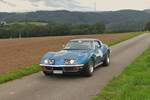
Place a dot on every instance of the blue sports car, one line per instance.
(77, 56)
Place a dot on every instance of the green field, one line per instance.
(132, 84)
(33, 23)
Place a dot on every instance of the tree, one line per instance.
(52, 29)
(147, 27)
(98, 28)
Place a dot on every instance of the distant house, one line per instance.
(3, 23)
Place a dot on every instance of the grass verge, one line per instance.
(36, 68)
(19, 73)
(127, 37)
(132, 84)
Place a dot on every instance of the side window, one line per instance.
(97, 44)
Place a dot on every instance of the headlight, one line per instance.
(49, 61)
(46, 61)
(69, 61)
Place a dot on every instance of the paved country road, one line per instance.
(39, 87)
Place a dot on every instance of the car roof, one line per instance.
(85, 39)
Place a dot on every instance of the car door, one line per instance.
(98, 52)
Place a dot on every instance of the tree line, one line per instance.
(51, 29)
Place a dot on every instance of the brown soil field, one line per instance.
(18, 53)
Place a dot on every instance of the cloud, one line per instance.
(72, 5)
(7, 3)
(66, 4)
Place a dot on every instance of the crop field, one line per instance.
(18, 53)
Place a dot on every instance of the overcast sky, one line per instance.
(73, 5)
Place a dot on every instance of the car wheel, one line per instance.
(106, 61)
(89, 70)
(47, 73)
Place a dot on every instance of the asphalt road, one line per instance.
(39, 87)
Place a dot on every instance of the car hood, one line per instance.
(79, 55)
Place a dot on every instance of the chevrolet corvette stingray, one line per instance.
(78, 56)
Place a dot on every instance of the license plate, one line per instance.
(57, 71)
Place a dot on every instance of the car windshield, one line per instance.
(79, 45)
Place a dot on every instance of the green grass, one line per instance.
(19, 73)
(129, 36)
(132, 84)
(34, 23)
(36, 68)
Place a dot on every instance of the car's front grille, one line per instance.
(65, 69)
(57, 68)
(48, 68)
(69, 68)
(53, 68)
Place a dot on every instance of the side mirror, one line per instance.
(99, 46)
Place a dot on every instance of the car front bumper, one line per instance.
(63, 68)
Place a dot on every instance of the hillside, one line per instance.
(147, 10)
(114, 20)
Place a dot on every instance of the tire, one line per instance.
(89, 70)
(106, 61)
(47, 73)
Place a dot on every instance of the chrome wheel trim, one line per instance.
(91, 68)
(108, 59)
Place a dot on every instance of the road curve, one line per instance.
(39, 87)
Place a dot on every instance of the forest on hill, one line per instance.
(47, 23)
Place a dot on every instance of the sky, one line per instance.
(72, 5)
